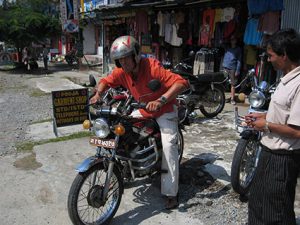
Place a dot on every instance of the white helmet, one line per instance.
(124, 46)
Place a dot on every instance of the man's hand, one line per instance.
(154, 106)
(95, 98)
(259, 124)
(256, 120)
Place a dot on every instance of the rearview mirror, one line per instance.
(92, 80)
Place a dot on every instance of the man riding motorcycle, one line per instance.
(134, 73)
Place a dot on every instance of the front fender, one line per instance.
(247, 134)
(88, 163)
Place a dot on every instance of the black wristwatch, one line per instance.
(163, 100)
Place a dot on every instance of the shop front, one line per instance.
(169, 30)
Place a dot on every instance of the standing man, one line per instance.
(232, 64)
(272, 194)
(45, 57)
(134, 73)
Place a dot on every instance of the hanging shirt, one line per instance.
(262, 6)
(168, 32)
(269, 22)
(218, 17)
(250, 55)
(252, 36)
(155, 32)
(141, 18)
(175, 40)
(228, 14)
(204, 35)
(160, 22)
(208, 21)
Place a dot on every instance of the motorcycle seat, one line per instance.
(211, 77)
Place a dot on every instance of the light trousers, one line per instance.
(168, 124)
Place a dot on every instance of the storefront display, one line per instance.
(170, 33)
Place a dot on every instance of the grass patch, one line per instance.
(38, 93)
(28, 146)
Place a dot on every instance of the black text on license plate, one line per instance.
(106, 143)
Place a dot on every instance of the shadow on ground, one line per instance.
(193, 181)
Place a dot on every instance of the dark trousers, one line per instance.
(272, 193)
(45, 59)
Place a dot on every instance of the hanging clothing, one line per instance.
(208, 19)
(250, 55)
(160, 22)
(179, 17)
(262, 6)
(228, 14)
(218, 17)
(229, 29)
(252, 36)
(141, 18)
(175, 41)
(269, 22)
(219, 33)
(204, 35)
(168, 33)
(155, 32)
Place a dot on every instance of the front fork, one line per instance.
(110, 169)
(108, 177)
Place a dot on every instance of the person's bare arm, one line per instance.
(172, 93)
(101, 87)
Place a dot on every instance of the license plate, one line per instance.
(106, 143)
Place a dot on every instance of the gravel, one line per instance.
(20, 106)
(200, 195)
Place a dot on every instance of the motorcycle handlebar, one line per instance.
(139, 105)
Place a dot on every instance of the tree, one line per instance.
(25, 21)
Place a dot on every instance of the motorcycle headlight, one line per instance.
(257, 99)
(101, 128)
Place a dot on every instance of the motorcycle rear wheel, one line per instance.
(85, 204)
(212, 102)
(244, 164)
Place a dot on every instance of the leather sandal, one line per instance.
(171, 202)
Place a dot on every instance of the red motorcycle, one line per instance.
(126, 148)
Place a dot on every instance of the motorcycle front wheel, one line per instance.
(86, 204)
(244, 164)
(212, 102)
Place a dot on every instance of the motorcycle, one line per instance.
(71, 57)
(247, 152)
(126, 148)
(206, 93)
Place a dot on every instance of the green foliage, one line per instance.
(27, 21)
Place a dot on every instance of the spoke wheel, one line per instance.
(244, 164)
(86, 204)
(212, 102)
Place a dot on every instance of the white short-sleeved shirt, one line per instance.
(284, 108)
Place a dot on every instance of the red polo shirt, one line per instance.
(149, 69)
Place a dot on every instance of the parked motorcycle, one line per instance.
(126, 148)
(71, 57)
(247, 152)
(207, 91)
